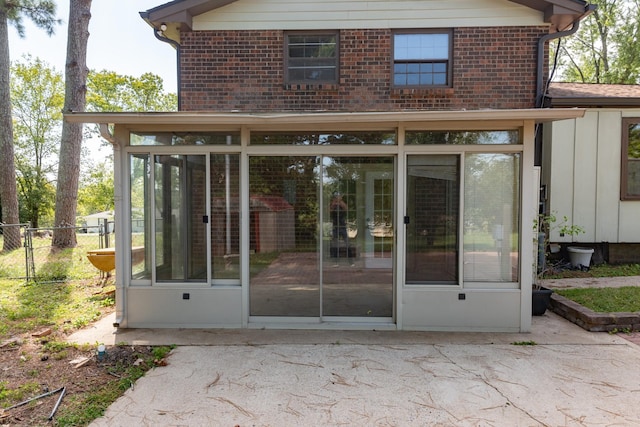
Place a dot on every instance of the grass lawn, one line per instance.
(66, 306)
(605, 300)
(52, 264)
(602, 270)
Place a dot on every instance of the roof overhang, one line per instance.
(595, 102)
(284, 120)
(561, 14)
(178, 14)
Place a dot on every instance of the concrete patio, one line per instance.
(362, 378)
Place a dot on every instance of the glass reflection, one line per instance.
(325, 256)
(358, 236)
(491, 217)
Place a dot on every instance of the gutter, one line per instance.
(540, 87)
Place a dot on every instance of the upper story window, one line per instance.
(422, 58)
(630, 179)
(311, 57)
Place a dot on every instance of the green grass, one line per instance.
(605, 300)
(602, 270)
(606, 270)
(52, 264)
(8, 395)
(28, 306)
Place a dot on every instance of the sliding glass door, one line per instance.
(322, 236)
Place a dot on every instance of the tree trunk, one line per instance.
(8, 186)
(71, 143)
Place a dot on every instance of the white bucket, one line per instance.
(580, 256)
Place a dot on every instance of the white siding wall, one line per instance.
(582, 171)
(559, 176)
(336, 14)
(607, 228)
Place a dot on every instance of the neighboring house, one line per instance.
(591, 168)
(420, 116)
(93, 222)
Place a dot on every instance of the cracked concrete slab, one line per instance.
(364, 378)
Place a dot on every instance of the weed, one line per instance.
(23, 392)
(623, 330)
(60, 355)
(161, 352)
(56, 346)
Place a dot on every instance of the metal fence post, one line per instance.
(28, 247)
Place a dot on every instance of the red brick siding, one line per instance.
(243, 70)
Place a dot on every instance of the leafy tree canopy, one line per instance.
(109, 91)
(37, 94)
(606, 47)
(37, 98)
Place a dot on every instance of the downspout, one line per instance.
(540, 85)
(158, 33)
(106, 133)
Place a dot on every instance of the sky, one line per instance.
(120, 40)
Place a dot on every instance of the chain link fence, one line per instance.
(30, 255)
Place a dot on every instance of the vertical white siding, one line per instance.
(561, 171)
(335, 14)
(584, 178)
(608, 174)
(582, 169)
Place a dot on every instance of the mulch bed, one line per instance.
(24, 362)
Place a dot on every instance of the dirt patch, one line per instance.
(34, 365)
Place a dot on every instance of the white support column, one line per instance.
(245, 232)
(122, 226)
(529, 194)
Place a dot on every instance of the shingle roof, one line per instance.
(592, 90)
(593, 95)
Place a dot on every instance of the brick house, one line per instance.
(352, 164)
